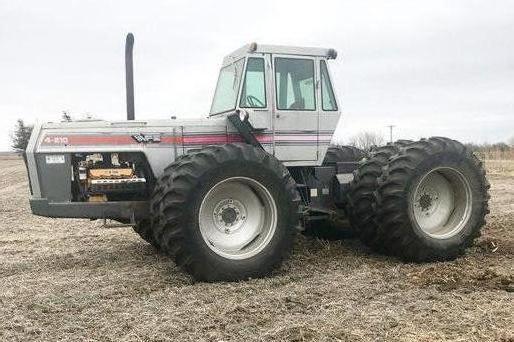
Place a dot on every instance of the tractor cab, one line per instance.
(287, 95)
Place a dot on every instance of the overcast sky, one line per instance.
(428, 67)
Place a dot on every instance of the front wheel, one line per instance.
(238, 218)
(226, 212)
(144, 230)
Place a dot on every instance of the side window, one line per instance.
(225, 96)
(253, 94)
(328, 100)
(294, 82)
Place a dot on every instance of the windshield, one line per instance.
(225, 96)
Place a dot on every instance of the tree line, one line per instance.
(500, 150)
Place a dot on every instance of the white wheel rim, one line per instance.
(441, 203)
(237, 218)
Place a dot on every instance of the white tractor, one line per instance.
(225, 196)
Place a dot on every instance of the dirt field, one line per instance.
(71, 280)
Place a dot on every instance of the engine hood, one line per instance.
(160, 140)
(107, 135)
(141, 124)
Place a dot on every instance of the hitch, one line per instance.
(106, 225)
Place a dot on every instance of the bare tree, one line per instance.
(366, 140)
(21, 135)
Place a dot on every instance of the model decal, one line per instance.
(147, 138)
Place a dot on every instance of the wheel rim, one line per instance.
(441, 203)
(237, 218)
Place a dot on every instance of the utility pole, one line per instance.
(391, 132)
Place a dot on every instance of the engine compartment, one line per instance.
(107, 177)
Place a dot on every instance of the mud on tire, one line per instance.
(179, 197)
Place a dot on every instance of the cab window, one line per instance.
(253, 94)
(328, 100)
(225, 96)
(294, 82)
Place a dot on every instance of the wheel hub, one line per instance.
(237, 218)
(425, 202)
(428, 201)
(229, 215)
(441, 204)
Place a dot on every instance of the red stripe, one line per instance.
(206, 139)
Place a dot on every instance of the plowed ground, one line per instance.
(72, 280)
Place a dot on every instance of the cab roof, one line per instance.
(279, 49)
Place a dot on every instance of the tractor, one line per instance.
(226, 194)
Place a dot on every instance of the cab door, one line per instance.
(295, 109)
(255, 99)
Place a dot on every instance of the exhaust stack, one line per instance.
(129, 76)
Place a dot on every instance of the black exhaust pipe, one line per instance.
(129, 76)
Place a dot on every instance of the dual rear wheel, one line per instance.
(420, 201)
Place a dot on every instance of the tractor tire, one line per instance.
(144, 227)
(361, 200)
(144, 230)
(432, 199)
(336, 153)
(226, 212)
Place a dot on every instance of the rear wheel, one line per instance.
(361, 205)
(432, 200)
(338, 153)
(226, 212)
